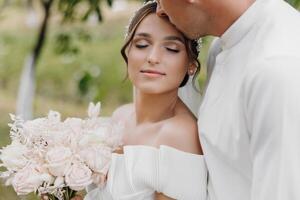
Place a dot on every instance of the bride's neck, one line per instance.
(154, 107)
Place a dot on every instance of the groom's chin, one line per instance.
(189, 35)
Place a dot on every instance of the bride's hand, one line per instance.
(77, 197)
(161, 196)
(119, 150)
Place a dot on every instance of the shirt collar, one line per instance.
(242, 25)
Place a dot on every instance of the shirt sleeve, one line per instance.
(272, 111)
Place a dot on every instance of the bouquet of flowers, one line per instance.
(56, 158)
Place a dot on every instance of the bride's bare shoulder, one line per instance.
(123, 112)
(181, 132)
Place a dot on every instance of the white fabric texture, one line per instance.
(249, 120)
(142, 170)
(190, 95)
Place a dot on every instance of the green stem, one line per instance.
(69, 193)
(72, 193)
(52, 197)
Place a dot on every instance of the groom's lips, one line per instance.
(152, 73)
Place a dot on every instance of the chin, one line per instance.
(159, 87)
(155, 90)
(150, 90)
(192, 34)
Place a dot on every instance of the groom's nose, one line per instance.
(160, 12)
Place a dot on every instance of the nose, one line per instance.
(160, 12)
(153, 56)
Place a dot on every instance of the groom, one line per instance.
(249, 120)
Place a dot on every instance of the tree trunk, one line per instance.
(26, 91)
(32, 16)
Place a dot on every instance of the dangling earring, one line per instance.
(191, 72)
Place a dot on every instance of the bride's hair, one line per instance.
(140, 14)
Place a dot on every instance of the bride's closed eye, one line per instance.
(143, 43)
(140, 44)
(172, 47)
(173, 50)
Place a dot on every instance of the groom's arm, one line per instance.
(272, 107)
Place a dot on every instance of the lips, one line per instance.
(154, 72)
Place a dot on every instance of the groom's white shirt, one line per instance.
(249, 120)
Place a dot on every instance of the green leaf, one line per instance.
(109, 2)
(84, 83)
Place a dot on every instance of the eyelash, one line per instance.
(169, 49)
(139, 46)
(173, 50)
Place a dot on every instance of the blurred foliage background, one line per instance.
(76, 49)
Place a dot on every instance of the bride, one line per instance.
(161, 156)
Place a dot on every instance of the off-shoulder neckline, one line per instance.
(161, 147)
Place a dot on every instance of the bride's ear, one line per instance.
(192, 68)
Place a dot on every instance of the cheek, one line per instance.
(135, 57)
(136, 60)
(179, 70)
(182, 64)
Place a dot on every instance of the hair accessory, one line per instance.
(199, 44)
(130, 20)
(149, 1)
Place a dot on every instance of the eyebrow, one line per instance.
(176, 38)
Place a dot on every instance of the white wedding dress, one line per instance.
(143, 170)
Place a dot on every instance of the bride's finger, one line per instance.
(77, 197)
(119, 150)
(44, 197)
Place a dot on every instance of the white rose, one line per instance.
(97, 158)
(13, 156)
(74, 125)
(59, 160)
(73, 130)
(35, 127)
(29, 179)
(59, 181)
(62, 137)
(110, 132)
(98, 136)
(78, 176)
(92, 139)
